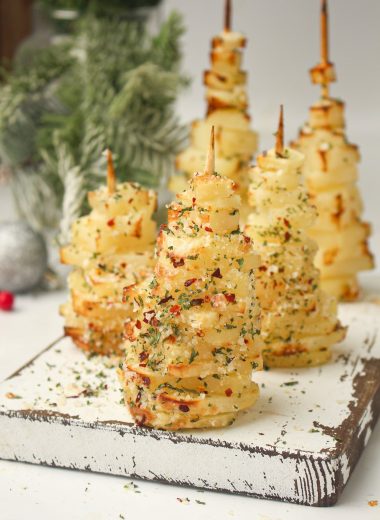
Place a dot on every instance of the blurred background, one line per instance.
(80, 75)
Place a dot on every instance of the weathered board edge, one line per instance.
(342, 459)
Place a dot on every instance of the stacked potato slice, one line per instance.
(331, 174)
(191, 352)
(227, 110)
(111, 248)
(299, 321)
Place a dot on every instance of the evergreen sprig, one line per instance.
(115, 85)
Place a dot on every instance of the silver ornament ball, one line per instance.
(23, 257)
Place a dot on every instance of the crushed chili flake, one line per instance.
(207, 228)
(184, 408)
(176, 310)
(247, 240)
(146, 380)
(263, 268)
(287, 236)
(177, 262)
(230, 297)
(111, 222)
(373, 503)
(165, 300)
(138, 397)
(141, 421)
(193, 200)
(196, 301)
(143, 356)
(217, 273)
(228, 392)
(190, 282)
(286, 222)
(148, 316)
(138, 324)
(154, 322)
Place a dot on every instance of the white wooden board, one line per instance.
(299, 444)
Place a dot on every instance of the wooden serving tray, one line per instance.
(300, 443)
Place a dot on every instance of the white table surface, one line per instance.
(32, 492)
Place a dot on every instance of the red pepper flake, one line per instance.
(111, 222)
(154, 322)
(196, 301)
(373, 503)
(217, 273)
(138, 324)
(230, 297)
(141, 421)
(207, 228)
(176, 310)
(138, 397)
(148, 316)
(165, 300)
(143, 355)
(263, 268)
(177, 262)
(287, 223)
(146, 380)
(287, 236)
(184, 408)
(123, 265)
(247, 240)
(228, 392)
(190, 282)
(193, 200)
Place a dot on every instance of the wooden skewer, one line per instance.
(210, 161)
(111, 176)
(280, 134)
(227, 15)
(324, 42)
(324, 32)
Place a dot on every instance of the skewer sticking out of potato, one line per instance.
(227, 111)
(331, 174)
(191, 351)
(299, 321)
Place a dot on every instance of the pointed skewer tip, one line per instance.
(210, 161)
(227, 15)
(111, 176)
(280, 134)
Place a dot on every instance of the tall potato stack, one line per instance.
(190, 354)
(111, 248)
(227, 104)
(331, 174)
(299, 321)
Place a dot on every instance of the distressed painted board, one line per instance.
(299, 444)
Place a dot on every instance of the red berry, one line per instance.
(6, 300)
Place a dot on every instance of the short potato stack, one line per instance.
(227, 104)
(331, 174)
(191, 352)
(111, 248)
(299, 321)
